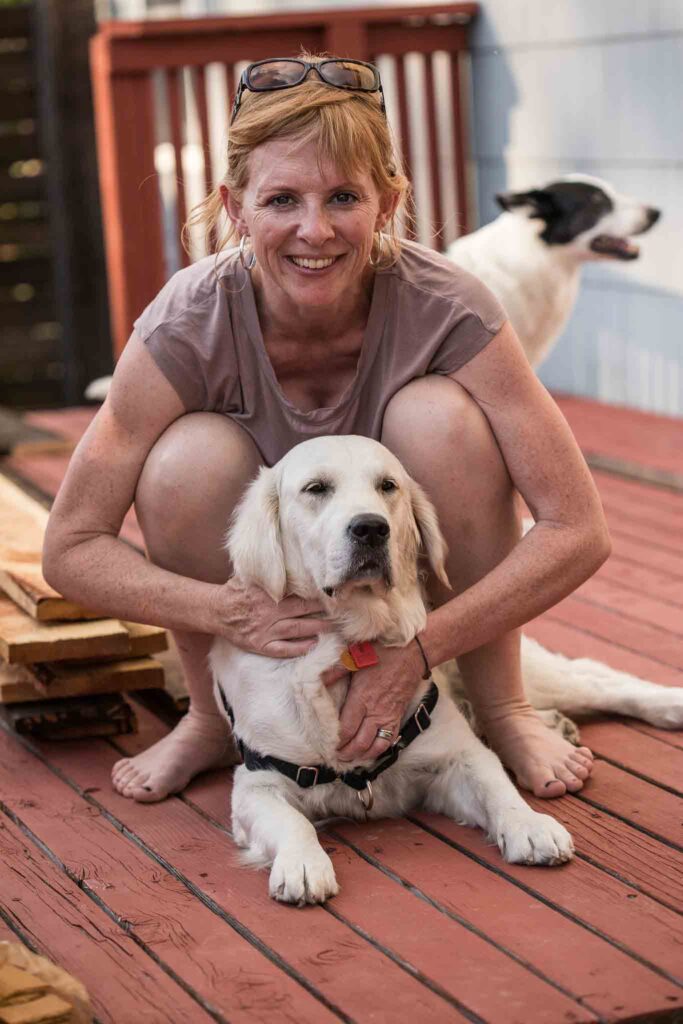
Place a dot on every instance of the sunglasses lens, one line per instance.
(275, 74)
(348, 75)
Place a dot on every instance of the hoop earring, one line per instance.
(377, 263)
(252, 262)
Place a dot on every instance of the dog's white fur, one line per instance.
(537, 283)
(287, 539)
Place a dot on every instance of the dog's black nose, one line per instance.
(653, 215)
(369, 529)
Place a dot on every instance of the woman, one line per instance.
(322, 323)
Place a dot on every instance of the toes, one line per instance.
(544, 782)
(579, 769)
(567, 776)
(585, 752)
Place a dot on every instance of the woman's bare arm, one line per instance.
(569, 540)
(83, 557)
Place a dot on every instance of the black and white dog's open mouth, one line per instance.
(617, 248)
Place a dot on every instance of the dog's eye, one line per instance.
(388, 485)
(317, 487)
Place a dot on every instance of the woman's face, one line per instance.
(310, 225)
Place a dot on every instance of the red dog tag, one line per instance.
(364, 654)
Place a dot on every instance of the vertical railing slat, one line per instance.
(404, 128)
(175, 85)
(459, 144)
(433, 151)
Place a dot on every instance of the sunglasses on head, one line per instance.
(285, 72)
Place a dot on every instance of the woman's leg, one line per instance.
(445, 442)
(192, 479)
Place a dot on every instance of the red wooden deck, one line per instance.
(148, 906)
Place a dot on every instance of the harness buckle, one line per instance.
(306, 781)
(422, 718)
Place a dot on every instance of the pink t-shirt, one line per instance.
(427, 315)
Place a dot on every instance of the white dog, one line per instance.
(339, 520)
(531, 255)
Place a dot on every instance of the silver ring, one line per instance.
(385, 734)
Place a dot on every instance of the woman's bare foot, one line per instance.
(541, 760)
(200, 741)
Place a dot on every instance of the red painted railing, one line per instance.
(163, 90)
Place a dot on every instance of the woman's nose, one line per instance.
(315, 226)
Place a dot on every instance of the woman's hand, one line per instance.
(252, 621)
(378, 698)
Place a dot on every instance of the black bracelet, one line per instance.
(428, 671)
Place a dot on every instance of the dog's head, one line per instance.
(337, 518)
(585, 215)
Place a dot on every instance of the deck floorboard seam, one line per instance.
(447, 912)
(547, 902)
(196, 891)
(111, 914)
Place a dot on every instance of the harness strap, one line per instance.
(307, 776)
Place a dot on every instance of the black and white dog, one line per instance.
(531, 255)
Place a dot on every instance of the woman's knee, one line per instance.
(433, 419)
(191, 480)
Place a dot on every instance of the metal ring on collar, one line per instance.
(385, 734)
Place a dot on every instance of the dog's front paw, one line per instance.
(531, 838)
(303, 876)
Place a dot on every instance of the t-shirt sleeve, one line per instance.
(477, 316)
(170, 337)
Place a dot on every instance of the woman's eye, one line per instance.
(345, 198)
(319, 487)
(282, 200)
(389, 485)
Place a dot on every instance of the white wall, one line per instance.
(595, 86)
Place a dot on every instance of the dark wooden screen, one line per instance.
(161, 87)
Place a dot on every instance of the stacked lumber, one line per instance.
(33, 990)
(62, 670)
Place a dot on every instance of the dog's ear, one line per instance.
(540, 202)
(253, 540)
(431, 537)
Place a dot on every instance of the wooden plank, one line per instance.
(635, 752)
(570, 639)
(644, 805)
(22, 529)
(23, 640)
(629, 434)
(156, 910)
(644, 580)
(61, 922)
(643, 504)
(639, 926)
(663, 540)
(65, 679)
(639, 607)
(605, 979)
(672, 739)
(637, 859)
(639, 495)
(345, 969)
(640, 637)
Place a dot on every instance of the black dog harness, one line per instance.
(359, 779)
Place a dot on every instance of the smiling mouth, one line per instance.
(306, 263)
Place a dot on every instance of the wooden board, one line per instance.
(22, 528)
(24, 641)
(66, 679)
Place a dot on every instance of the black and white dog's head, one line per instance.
(585, 215)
